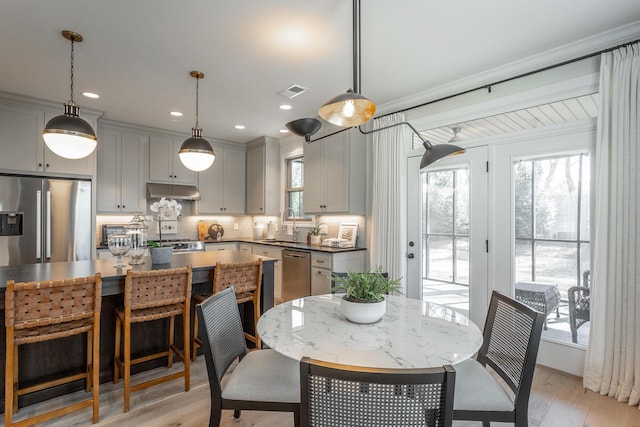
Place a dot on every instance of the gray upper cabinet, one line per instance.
(222, 186)
(120, 184)
(164, 163)
(334, 174)
(24, 150)
(263, 176)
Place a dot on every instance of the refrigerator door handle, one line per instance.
(38, 224)
(48, 226)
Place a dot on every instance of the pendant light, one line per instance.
(350, 109)
(196, 153)
(304, 127)
(67, 135)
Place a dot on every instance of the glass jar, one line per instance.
(137, 232)
(119, 245)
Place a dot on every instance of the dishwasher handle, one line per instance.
(296, 255)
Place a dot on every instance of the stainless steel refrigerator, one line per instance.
(44, 220)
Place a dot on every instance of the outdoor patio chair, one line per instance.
(579, 306)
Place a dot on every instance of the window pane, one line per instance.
(462, 260)
(440, 202)
(296, 202)
(296, 171)
(440, 258)
(556, 197)
(462, 202)
(524, 261)
(557, 263)
(523, 200)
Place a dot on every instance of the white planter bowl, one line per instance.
(363, 312)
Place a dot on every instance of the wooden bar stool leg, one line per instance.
(186, 355)
(172, 322)
(116, 357)
(15, 378)
(194, 348)
(127, 363)
(95, 379)
(8, 378)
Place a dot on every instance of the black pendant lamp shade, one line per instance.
(196, 152)
(67, 135)
(434, 153)
(351, 108)
(304, 127)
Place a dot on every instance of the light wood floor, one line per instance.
(557, 400)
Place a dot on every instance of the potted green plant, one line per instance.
(314, 234)
(364, 300)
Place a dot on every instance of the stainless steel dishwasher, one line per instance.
(296, 274)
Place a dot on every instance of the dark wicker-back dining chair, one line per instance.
(351, 396)
(262, 380)
(510, 348)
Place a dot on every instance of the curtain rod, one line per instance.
(508, 79)
(489, 85)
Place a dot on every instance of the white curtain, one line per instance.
(388, 217)
(613, 358)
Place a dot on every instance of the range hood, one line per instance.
(172, 191)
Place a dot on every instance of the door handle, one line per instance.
(38, 224)
(47, 247)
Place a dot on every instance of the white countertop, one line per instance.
(412, 333)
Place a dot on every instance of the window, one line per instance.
(294, 192)
(552, 220)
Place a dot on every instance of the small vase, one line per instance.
(363, 312)
(161, 255)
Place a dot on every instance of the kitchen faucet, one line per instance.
(284, 226)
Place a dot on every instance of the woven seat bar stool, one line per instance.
(153, 295)
(48, 310)
(246, 279)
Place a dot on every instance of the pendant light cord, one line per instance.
(197, 91)
(357, 57)
(72, 39)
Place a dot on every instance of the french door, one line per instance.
(447, 232)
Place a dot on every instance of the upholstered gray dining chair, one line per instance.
(262, 380)
(510, 348)
(349, 396)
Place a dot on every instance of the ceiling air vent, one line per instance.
(292, 91)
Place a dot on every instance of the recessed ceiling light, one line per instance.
(91, 95)
(239, 127)
(284, 130)
(285, 107)
(176, 113)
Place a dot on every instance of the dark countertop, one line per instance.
(201, 264)
(287, 245)
(278, 243)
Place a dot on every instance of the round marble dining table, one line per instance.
(411, 334)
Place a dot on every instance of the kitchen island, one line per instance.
(51, 359)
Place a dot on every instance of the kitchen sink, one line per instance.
(278, 242)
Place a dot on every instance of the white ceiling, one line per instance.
(138, 54)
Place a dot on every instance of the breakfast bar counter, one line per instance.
(54, 358)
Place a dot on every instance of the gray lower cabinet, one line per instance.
(324, 264)
(272, 252)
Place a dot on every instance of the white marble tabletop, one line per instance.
(412, 333)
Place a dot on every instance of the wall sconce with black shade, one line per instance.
(304, 127)
(196, 152)
(351, 108)
(67, 135)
